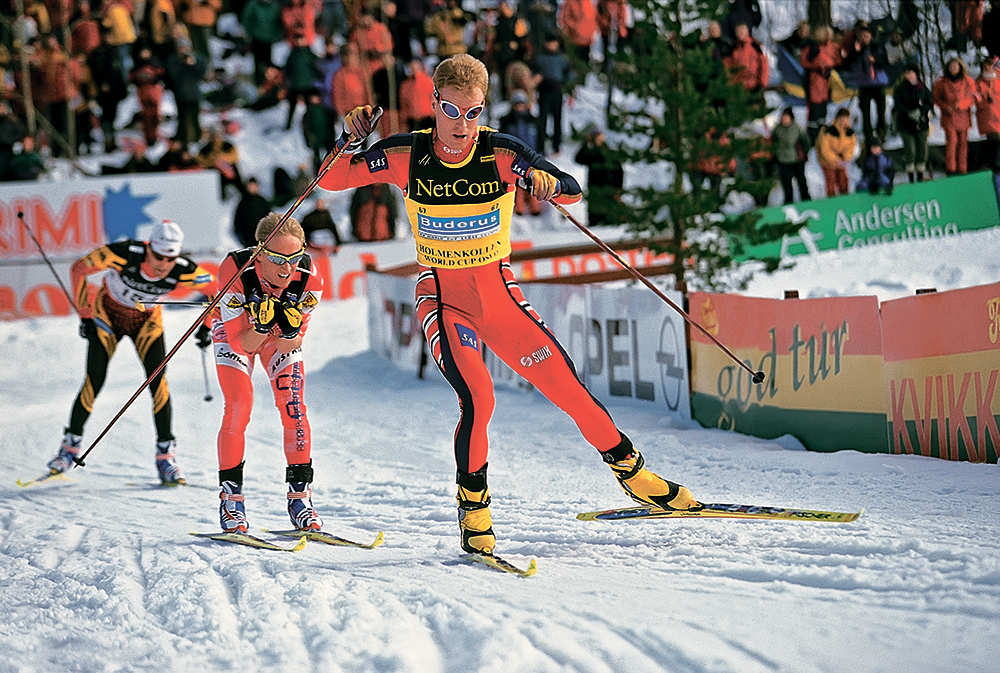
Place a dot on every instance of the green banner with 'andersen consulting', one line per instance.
(913, 211)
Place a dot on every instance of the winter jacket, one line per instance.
(185, 77)
(877, 169)
(147, 76)
(955, 98)
(912, 105)
(350, 89)
(299, 21)
(523, 126)
(749, 65)
(834, 146)
(555, 70)
(613, 14)
(162, 21)
(988, 106)
(578, 21)
(56, 77)
(301, 70)
(416, 94)
(202, 13)
(818, 61)
(373, 41)
(373, 213)
(118, 19)
(261, 19)
(790, 143)
(106, 68)
(448, 26)
(868, 64)
(84, 36)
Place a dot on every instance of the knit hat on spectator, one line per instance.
(167, 239)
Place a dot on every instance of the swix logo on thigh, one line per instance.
(467, 336)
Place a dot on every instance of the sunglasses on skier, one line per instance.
(452, 111)
(278, 259)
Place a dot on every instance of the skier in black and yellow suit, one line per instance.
(140, 272)
(459, 179)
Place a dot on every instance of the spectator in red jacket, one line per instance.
(955, 93)
(58, 87)
(818, 58)
(147, 76)
(578, 23)
(85, 31)
(748, 62)
(416, 95)
(966, 23)
(988, 110)
(299, 19)
(374, 42)
(351, 84)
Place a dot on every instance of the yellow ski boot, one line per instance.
(643, 486)
(474, 513)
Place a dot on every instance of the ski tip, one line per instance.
(379, 539)
(301, 544)
(531, 569)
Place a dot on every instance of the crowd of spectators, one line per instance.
(86, 57)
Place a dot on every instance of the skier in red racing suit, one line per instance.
(264, 315)
(458, 180)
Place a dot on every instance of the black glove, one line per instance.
(88, 330)
(289, 317)
(203, 337)
(262, 312)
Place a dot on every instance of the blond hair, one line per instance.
(270, 222)
(462, 72)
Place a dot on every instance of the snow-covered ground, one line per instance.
(101, 574)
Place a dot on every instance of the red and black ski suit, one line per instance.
(466, 294)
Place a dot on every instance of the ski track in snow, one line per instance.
(101, 574)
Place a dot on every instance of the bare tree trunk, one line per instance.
(820, 13)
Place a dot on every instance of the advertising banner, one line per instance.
(914, 211)
(72, 217)
(822, 359)
(624, 342)
(942, 360)
(637, 348)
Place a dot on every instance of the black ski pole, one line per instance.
(69, 297)
(324, 167)
(756, 377)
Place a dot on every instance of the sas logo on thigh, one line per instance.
(467, 337)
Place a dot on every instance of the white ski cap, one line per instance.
(166, 239)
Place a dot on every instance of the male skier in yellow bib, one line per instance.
(459, 180)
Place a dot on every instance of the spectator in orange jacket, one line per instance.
(835, 147)
(748, 62)
(299, 19)
(58, 87)
(416, 95)
(85, 31)
(955, 93)
(374, 41)
(819, 57)
(200, 17)
(988, 110)
(351, 84)
(578, 23)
